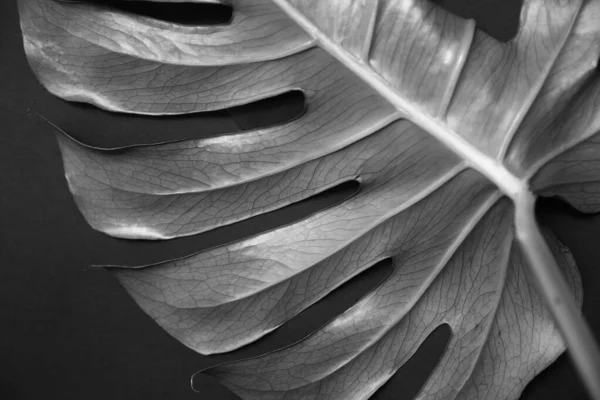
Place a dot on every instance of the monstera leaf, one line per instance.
(448, 131)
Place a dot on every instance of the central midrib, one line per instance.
(511, 185)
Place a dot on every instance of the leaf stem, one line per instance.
(576, 333)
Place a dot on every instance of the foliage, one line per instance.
(444, 128)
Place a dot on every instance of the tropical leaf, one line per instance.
(445, 128)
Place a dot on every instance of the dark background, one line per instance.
(69, 331)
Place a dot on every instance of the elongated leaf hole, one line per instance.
(410, 378)
(99, 128)
(319, 314)
(499, 18)
(549, 205)
(182, 13)
(269, 112)
(546, 207)
(141, 252)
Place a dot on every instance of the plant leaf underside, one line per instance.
(441, 125)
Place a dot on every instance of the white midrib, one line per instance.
(494, 170)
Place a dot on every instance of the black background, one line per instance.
(69, 331)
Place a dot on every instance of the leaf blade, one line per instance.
(453, 87)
